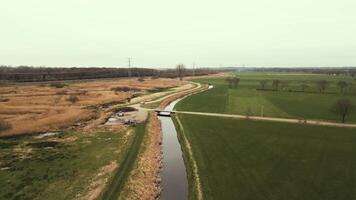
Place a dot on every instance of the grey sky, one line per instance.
(165, 33)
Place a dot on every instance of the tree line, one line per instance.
(37, 74)
(321, 86)
(342, 107)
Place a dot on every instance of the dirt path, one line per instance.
(275, 119)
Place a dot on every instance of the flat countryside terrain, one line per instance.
(288, 102)
(243, 159)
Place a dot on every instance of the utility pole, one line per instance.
(193, 68)
(129, 67)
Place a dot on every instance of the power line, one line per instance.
(129, 67)
(193, 68)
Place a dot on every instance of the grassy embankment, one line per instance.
(241, 159)
(143, 181)
(59, 167)
(117, 183)
(67, 166)
(246, 99)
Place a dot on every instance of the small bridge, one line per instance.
(165, 113)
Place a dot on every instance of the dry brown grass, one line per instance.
(218, 75)
(32, 108)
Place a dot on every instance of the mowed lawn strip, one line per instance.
(246, 99)
(241, 159)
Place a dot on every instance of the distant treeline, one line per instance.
(318, 70)
(31, 74)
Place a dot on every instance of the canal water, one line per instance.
(174, 176)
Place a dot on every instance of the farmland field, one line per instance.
(289, 101)
(243, 159)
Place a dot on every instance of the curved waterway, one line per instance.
(174, 176)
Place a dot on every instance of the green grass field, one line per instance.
(57, 167)
(283, 103)
(114, 189)
(243, 159)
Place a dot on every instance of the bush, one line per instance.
(83, 92)
(61, 92)
(4, 126)
(72, 99)
(124, 89)
(2, 99)
(120, 89)
(125, 109)
(57, 84)
(141, 79)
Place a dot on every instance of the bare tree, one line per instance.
(4, 126)
(141, 79)
(304, 86)
(322, 85)
(180, 71)
(351, 88)
(342, 107)
(263, 84)
(284, 84)
(228, 80)
(275, 84)
(248, 112)
(235, 80)
(342, 85)
(72, 99)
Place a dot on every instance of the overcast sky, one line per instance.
(163, 33)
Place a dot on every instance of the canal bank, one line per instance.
(174, 176)
(178, 162)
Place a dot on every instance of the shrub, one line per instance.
(125, 109)
(2, 99)
(4, 126)
(120, 89)
(141, 79)
(61, 92)
(124, 89)
(72, 99)
(57, 84)
(83, 92)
